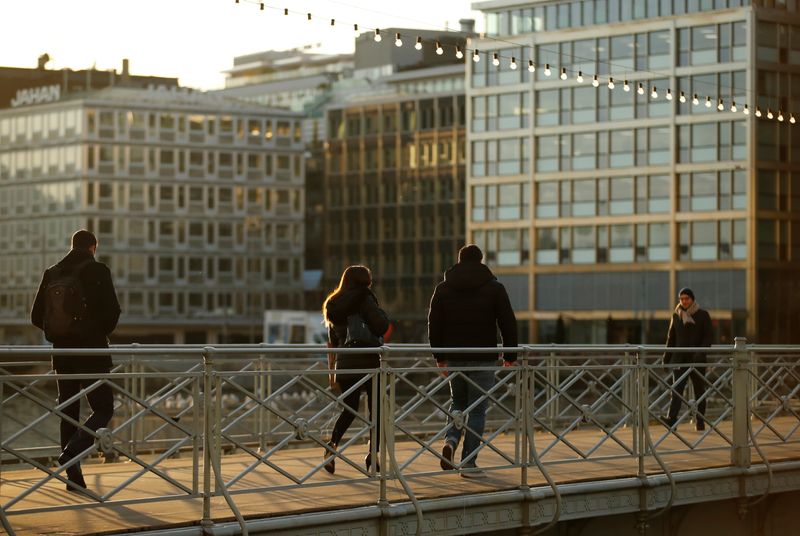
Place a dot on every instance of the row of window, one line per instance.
(778, 190)
(144, 197)
(351, 192)
(149, 161)
(215, 306)
(652, 51)
(698, 142)
(134, 232)
(645, 242)
(410, 116)
(411, 155)
(778, 240)
(644, 194)
(585, 104)
(191, 127)
(576, 13)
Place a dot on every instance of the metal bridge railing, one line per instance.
(201, 422)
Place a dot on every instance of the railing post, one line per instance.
(740, 449)
(261, 396)
(642, 420)
(526, 399)
(206, 521)
(2, 415)
(553, 377)
(386, 416)
(197, 428)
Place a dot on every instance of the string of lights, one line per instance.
(499, 60)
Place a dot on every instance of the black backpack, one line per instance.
(65, 307)
(359, 335)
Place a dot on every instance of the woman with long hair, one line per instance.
(353, 296)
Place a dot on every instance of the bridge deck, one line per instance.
(329, 492)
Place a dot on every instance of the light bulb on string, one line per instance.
(476, 56)
(377, 35)
(308, 15)
(262, 6)
(595, 81)
(654, 93)
(769, 114)
(733, 106)
(333, 22)
(708, 102)
(513, 64)
(668, 96)
(626, 86)
(439, 49)
(682, 97)
(758, 111)
(611, 83)
(791, 119)
(286, 12)
(459, 52)
(398, 41)
(695, 100)
(579, 78)
(746, 110)
(418, 44)
(780, 116)
(355, 30)
(495, 60)
(531, 67)
(640, 89)
(547, 71)
(563, 74)
(720, 106)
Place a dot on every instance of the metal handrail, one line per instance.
(553, 393)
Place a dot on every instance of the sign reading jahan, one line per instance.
(36, 95)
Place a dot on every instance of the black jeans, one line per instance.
(346, 381)
(100, 398)
(679, 386)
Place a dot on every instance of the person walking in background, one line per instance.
(465, 311)
(76, 306)
(690, 328)
(355, 320)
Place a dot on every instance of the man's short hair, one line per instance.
(83, 239)
(470, 253)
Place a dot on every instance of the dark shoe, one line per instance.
(700, 425)
(75, 476)
(670, 421)
(330, 466)
(368, 463)
(446, 463)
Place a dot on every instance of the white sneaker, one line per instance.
(473, 472)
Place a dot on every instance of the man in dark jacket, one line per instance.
(465, 311)
(101, 314)
(690, 328)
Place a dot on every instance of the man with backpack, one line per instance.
(76, 306)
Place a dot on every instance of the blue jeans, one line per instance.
(464, 394)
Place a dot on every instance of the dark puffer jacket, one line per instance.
(466, 310)
(697, 335)
(348, 302)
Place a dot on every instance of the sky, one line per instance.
(196, 40)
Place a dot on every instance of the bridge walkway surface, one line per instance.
(322, 492)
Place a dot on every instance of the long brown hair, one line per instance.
(355, 276)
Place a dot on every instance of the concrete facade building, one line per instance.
(598, 204)
(197, 203)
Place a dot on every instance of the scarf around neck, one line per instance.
(687, 314)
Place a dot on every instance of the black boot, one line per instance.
(330, 465)
(368, 463)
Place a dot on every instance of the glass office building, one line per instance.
(197, 203)
(394, 189)
(596, 203)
